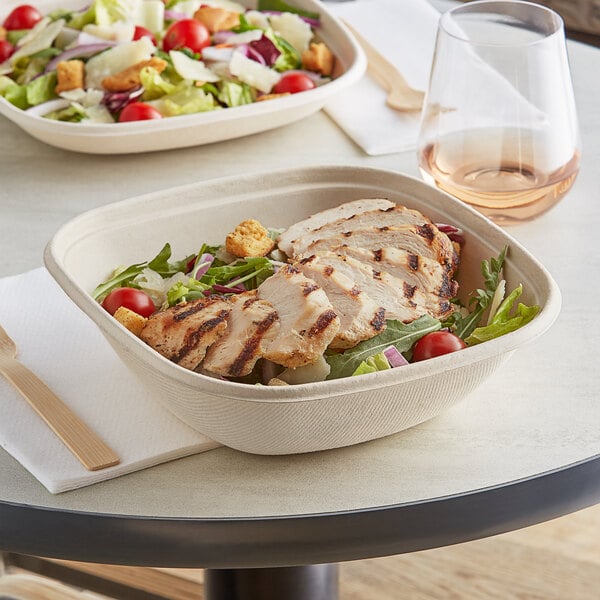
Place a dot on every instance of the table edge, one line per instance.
(298, 539)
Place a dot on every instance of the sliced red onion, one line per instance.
(221, 37)
(84, 50)
(47, 107)
(116, 101)
(312, 22)
(174, 15)
(202, 265)
(225, 289)
(454, 233)
(394, 357)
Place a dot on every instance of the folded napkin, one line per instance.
(404, 32)
(63, 347)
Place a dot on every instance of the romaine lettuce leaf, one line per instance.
(154, 84)
(503, 321)
(377, 362)
(185, 100)
(235, 94)
(41, 89)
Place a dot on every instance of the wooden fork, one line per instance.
(91, 451)
(401, 96)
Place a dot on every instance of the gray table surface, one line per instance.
(539, 414)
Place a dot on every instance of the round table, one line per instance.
(523, 448)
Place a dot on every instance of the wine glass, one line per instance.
(499, 126)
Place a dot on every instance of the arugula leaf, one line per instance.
(123, 277)
(282, 6)
(251, 271)
(503, 322)
(181, 292)
(398, 334)
(491, 270)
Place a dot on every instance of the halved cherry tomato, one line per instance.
(131, 298)
(138, 111)
(22, 17)
(292, 83)
(6, 50)
(139, 32)
(186, 33)
(436, 343)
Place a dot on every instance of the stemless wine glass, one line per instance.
(499, 126)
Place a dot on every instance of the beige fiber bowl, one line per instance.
(307, 417)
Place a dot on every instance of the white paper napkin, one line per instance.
(404, 32)
(67, 351)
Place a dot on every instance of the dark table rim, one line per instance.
(298, 539)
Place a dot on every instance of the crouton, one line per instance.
(130, 320)
(249, 238)
(271, 96)
(217, 19)
(318, 58)
(2, 33)
(70, 75)
(129, 78)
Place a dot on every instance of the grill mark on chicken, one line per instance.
(378, 323)
(408, 290)
(193, 338)
(328, 270)
(248, 353)
(347, 233)
(309, 288)
(190, 310)
(413, 261)
(426, 231)
(324, 320)
(249, 302)
(377, 275)
(354, 292)
(377, 255)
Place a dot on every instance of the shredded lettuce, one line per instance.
(289, 58)
(185, 100)
(41, 89)
(235, 94)
(72, 114)
(154, 85)
(14, 93)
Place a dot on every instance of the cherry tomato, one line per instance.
(6, 50)
(293, 83)
(139, 32)
(135, 300)
(22, 17)
(186, 33)
(138, 111)
(436, 343)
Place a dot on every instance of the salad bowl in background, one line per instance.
(199, 128)
(306, 417)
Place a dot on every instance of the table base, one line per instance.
(313, 582)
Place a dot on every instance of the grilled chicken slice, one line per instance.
(361, 317)
(285, 241)
(383, 217)
(308, 321)
(423, 240)
(401, 300)
(417, 270)
(252, 325)
(183, 332)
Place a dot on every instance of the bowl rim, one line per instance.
(316, 390)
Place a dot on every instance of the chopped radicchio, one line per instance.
(265, 49)
(116, 101)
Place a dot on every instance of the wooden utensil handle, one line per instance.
(91, 451)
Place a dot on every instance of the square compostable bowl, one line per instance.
(199, 128)
(307, 417)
